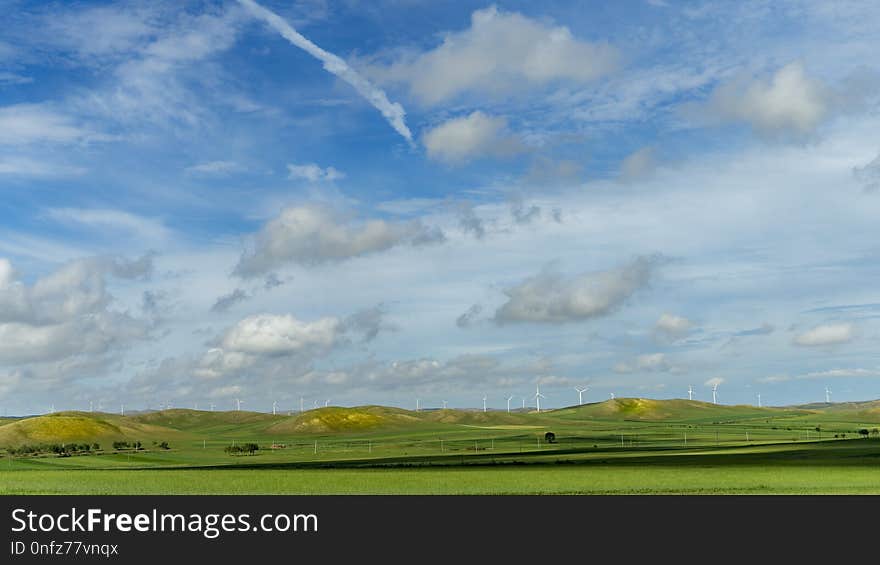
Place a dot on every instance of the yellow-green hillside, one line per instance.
(80, 427)
(334, 419)
(671, 409)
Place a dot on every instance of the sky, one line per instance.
(310, 202)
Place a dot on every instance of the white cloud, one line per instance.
(28, 167)
(67, 313)
(476, 135)
(22, 124)
(215, 168)
(501, 52)
(672, 326)
(268, 334)
(107, 221)
(827, 334)
(714, 381)
(645, 362)
(789, 103)
(310, 235)
(313, 173)
(551, 297)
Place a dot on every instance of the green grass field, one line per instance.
(625, 446)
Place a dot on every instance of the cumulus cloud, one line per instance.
(501, 52)
(826, 334)
(470, 137)
(313, 173)
(271, 334)
(392, 111)
(671, 326)
(551, 297)
(68, 313)
(789, 103)
(309, 235)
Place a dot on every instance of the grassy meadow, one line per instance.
(623, 446)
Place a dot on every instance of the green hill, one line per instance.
(479, 418)
(63, 427)
(334, 419)
(672, 409)
(202, 420)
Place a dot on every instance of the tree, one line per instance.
(864, 432)
(550, 437)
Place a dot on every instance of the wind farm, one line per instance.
(615, 446)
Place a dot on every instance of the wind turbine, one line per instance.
(714, 390)
(326, 403)
(509, 398)
(212, 407)
(538, 397)
(581, 394)
(274, 407)
(91, 406)
(612, 396)
(238, 404)
(827, 396)
(759, 400)
(418, 405)
(690, 392)
(314, 404)
(523, 402)
(52, 409)
(444, 405)
(484, 403)
(300, 404)
(122, 409)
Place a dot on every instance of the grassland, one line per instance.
(624, 446)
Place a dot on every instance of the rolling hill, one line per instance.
(646, 409)
(65, 427)
(336, 419)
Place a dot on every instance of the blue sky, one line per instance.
(378, 202)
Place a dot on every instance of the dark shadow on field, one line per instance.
(844, 453)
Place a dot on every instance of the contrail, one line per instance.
(392, 111)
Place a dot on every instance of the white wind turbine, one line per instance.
(212, 406)
(714, 391)
(300, 404)
(238, 402)
(538, 397)
(612, 396)
(418, 405)
(523, 402)
(581, 394)
(274, 407)
(509, 398)
(326, 403)
(827, 396)
(484, 403)
(314, 404)
(122, 409)
(690, 392)
(444, 405)
(759, 400)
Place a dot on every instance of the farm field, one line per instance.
(623, 446)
